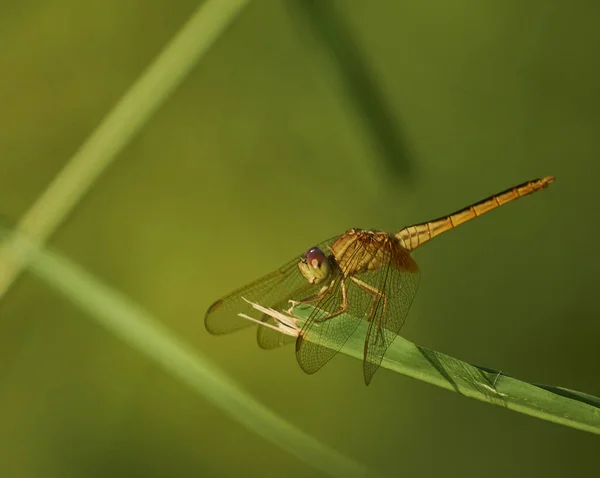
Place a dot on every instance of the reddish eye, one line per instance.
(315, 254)
(314, 266)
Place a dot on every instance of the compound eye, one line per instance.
(314, 265)
(315, 257)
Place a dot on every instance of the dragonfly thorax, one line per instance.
(360, 250)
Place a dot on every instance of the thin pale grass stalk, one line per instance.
(118, 128)
(136, 327)
(117, 313)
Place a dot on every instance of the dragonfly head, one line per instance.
(314, 265)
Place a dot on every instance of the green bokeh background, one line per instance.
(263, 152)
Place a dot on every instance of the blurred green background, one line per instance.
(267, 148)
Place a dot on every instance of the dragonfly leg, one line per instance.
(376, 294)
(343, 307)
(313, 298)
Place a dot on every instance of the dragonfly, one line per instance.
(356, 277)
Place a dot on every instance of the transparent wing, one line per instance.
(273, 291)
(398, 281)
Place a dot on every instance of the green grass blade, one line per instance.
(555, 404)
(132, 324)
(119, 126)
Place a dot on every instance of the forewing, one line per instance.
(399, 280)
(273, 291)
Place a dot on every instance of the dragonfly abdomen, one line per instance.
(414, 236)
